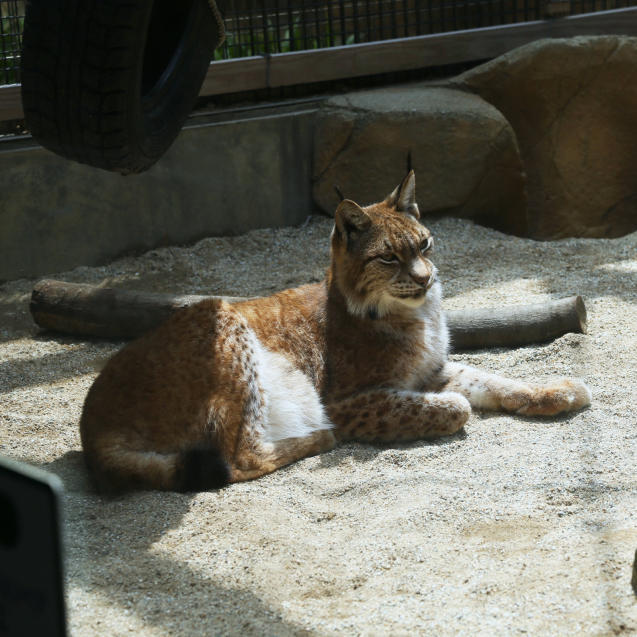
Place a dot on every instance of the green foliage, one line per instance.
(10, 45)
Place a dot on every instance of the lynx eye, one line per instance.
(388, 258)
(427, 245)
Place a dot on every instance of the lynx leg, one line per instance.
(254, 458)
(386, 415)
(282, 420)
(490, 391)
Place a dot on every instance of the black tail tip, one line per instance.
(202, 468)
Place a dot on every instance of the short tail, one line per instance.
(198, 468)
(201, 468)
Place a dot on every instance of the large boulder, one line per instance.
(572, 104)
(463, 150)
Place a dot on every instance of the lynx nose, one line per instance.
(423, 276)
(421, 279)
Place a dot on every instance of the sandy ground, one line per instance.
(513, 526)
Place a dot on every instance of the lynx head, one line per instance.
(381, 254)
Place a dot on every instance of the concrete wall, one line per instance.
(220, 177)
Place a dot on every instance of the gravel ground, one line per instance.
(513, 526)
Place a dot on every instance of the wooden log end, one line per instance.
(580, 311)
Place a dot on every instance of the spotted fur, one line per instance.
(223, 393)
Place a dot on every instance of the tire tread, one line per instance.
(79, 81)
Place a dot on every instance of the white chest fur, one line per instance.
(293, 406)
(435, 337)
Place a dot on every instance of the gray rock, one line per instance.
(463, 150)
(572, 105)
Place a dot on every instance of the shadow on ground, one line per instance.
(135, 578)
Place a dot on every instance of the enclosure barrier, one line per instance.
(277, 43)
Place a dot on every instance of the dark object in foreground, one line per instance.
(86, 310)
(31, 562)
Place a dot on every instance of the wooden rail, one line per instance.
(10, 102)
(355, 60)
(403, 54)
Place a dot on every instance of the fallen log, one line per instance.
(87, 310)
(516, 325)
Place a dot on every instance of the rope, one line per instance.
(221, 29)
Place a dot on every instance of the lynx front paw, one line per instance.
(550, 399)
(449, 412)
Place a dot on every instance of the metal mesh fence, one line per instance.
(258, 27)
(261, 27)
(11, 22)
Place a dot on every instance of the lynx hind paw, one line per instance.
(557, 397)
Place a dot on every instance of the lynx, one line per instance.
(222, 393)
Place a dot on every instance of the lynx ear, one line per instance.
(404, 197)
(350, 218)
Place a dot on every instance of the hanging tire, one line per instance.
(110, 83)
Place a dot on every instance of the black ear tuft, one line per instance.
(351, 219)
(403, 198)
(201, 468)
